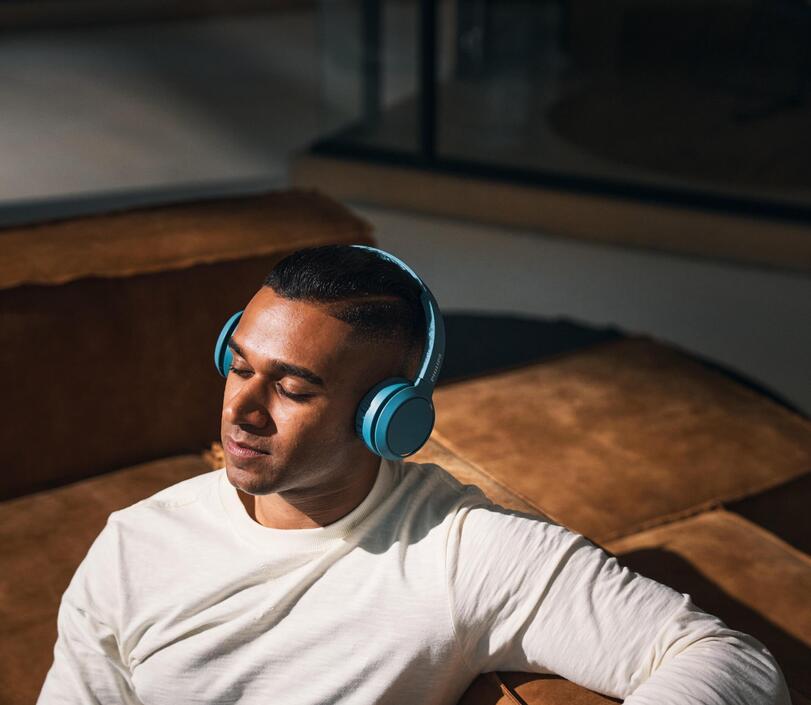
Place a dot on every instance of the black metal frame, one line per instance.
(342, 144)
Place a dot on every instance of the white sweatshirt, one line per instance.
(183, 598)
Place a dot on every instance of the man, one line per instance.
(311, 570)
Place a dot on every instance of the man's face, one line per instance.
(296, 383)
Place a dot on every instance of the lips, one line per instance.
(242, 450)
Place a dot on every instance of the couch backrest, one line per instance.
(108, 323)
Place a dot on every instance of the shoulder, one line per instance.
(421, 499)
(436, 486)
(472, 512)
(484, 535)
(177, 510)
(180, 494)
(137, 534)
(475, 510)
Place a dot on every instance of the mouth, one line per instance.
(243, 450)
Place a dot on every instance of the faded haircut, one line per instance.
(372, 294)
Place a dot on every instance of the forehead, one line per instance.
(297, 332)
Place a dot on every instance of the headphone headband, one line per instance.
(435, 327)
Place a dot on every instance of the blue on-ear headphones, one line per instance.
(396, 416)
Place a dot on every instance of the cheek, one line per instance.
(323, 424)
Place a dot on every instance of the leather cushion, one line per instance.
(173, 237)
(622, 436)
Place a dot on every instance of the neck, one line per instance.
(315, 507)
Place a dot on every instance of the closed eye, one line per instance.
(240, 372)
(291, 395)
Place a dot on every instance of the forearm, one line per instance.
(729, 669)
(541, 598)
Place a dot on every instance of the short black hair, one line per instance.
(375, 296)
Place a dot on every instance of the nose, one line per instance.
(244, 405)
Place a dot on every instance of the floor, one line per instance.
(118, 116)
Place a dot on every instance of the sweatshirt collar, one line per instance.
(300, 540)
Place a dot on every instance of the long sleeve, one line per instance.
(726, 667)
(88, 666)
(528, 595)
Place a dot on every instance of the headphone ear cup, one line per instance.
(394, 420)
(404, 424)
(371, 406)
(222, 353)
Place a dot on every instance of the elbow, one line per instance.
(760, 677)
(777, 691)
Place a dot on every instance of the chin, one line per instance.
(250, 478)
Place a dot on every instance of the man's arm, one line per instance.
(88, 666)
(731, 668)
(528, 595)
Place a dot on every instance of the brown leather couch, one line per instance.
(108, 325)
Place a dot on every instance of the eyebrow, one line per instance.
(286, 368)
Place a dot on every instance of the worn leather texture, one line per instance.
(173, 237)
(622, 436)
